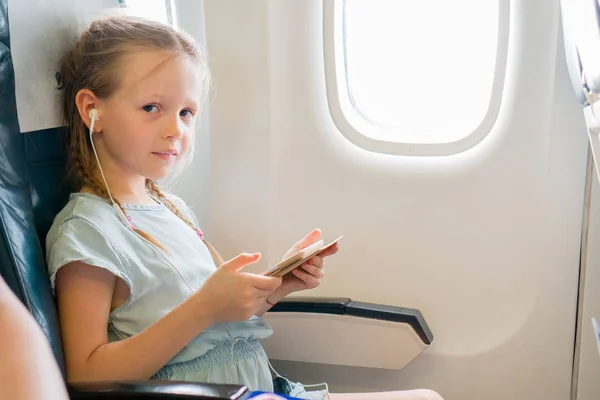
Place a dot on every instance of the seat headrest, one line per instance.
(40, 33)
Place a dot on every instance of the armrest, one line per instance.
(167, 390)
(345, 306)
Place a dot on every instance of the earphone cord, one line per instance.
(93, 120)
(112, 200)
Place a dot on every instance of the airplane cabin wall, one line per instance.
(588, 382)
(485, 243)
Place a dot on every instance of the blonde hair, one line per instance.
(91, 64)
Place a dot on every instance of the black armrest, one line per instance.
(168, 390)
(345, 306)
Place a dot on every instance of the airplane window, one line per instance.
(160, 10)
(416, 71)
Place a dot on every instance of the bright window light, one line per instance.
(418, 71)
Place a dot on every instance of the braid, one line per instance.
(80, 168)
(154, 189)
(85, 174)
(86, 177)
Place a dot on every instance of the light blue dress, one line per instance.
(88, 229)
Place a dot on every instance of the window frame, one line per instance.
(351, 123)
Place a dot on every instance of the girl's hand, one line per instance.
(231, 295)
(309, 274)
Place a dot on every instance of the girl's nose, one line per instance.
(174, 130)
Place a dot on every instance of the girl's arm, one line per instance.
(84, 300)
(28, 369)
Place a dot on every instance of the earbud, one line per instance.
(93, 114)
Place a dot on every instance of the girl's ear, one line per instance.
(85, 100)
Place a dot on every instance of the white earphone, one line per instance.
(93, 114)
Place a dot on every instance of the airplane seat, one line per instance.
(33, 189)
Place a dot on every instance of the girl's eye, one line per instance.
(150, 108)
(186, 113)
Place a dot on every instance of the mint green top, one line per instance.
(89, 230)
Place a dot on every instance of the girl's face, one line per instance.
(147, 124)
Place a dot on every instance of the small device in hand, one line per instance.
(299, 258)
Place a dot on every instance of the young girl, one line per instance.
(140, 293)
